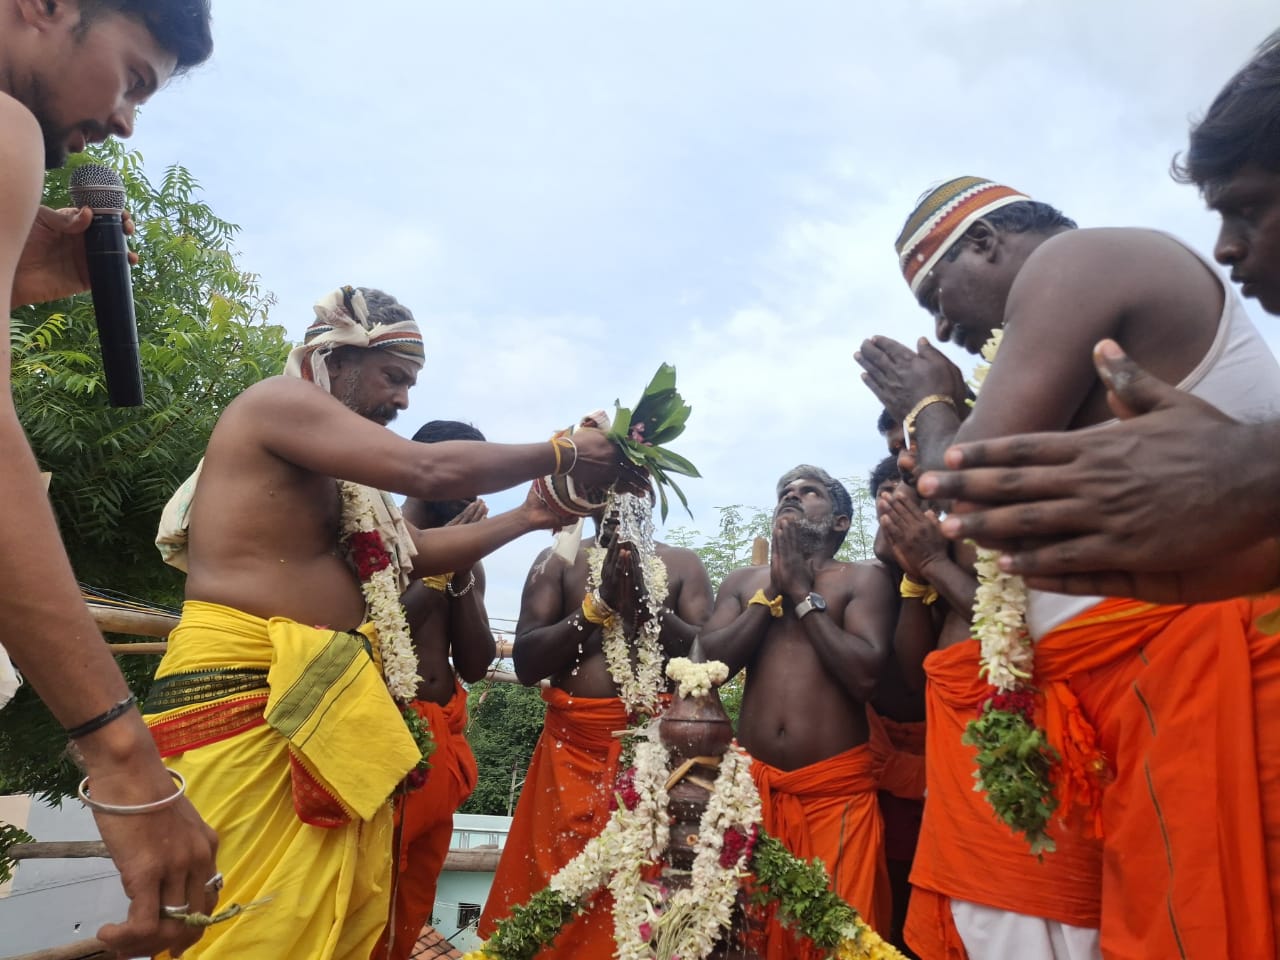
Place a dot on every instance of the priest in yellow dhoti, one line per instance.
(263, 718)
(280, 699)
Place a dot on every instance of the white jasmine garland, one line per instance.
(649, 925)
(637, 676)
(1000, 603)
(696, 916)
(696, 679)
(1000, 624)
(382, 597)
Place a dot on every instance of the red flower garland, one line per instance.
(368, 553)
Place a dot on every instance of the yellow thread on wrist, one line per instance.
(774, 605)
(595, 610)
(437, 583)
(910, 589)
(909, 421)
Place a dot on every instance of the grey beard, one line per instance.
(814, 534)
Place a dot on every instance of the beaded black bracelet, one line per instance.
(102, 719)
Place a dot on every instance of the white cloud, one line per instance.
(568, 193)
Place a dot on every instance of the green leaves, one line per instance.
(531, 927)
(657, 419)
(803, 893)
(9, 835)
(1014, 761)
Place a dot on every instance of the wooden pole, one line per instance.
(58, 850)
(80, 950)
(136, 622)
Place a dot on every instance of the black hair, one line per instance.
(886, 469)
(1025, 216)
(1242, 125)
(886, 422)
(384, 308)
(436, 431)
(841, 502)
(179, 26)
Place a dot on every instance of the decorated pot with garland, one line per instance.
(696, 731)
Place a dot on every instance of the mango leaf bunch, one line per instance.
(642, 434)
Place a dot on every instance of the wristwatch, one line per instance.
(810, 603)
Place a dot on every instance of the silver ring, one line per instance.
(215, 882)
(175, 913)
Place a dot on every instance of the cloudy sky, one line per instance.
(569, 192)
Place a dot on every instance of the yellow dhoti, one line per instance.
(291, 747)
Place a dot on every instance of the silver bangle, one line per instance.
(465, 590)
(128, 810)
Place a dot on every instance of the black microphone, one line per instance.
(101, 189)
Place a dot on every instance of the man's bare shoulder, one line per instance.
(268, 402)
(550, 570)
(20, 128)
(681, 558)
(858, 574)
(21, 162)
(745, 579)
(1136, 256)
(276, 390)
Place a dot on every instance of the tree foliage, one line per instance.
(204, 338)
(505, 722)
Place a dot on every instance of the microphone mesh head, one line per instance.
(96, 186)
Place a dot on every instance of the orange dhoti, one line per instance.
(965, 851)
(1186, 705)
(830, 810)
(564, 803)
(425, 819)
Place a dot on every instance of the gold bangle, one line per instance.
(774, 605)
(910, 589)
(595, 610)
(909, 421)
(561, 442)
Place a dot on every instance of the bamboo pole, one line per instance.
(58, 850)
(80, 950)
(137, 649)
(136, 622)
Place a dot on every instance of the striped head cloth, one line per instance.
(342, 320)
(942, 217)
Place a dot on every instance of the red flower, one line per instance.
(736, 844)
(1015, 701)
(368, 553)
(626, 789)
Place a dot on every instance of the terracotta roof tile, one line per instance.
(432, 945)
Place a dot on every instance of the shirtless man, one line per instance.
(981, 257)
(454, 645)
(73, 72)
(813, 633)
(1144, 508)
(565, 800)
(286, 731)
